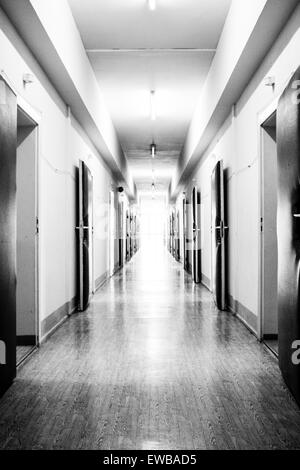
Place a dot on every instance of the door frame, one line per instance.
(195, 221)
(178, 254)
(92, 235)
(120, 231)
(36, 116)
(263, 116)
(111, 264)
(25, 109)
(184, 224)
(224, 240)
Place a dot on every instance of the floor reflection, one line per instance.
(151, 365)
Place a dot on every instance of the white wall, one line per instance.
(238, 144)
(61, 144)
(49, 30)
(57, 19)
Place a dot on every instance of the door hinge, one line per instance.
(261, 224)
(37, 227)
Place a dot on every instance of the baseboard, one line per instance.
(26, 340)
(246, 324)
(51, 323)
(248, 318)
(101, 281)
(205, 281)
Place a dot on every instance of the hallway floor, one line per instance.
(151, 365)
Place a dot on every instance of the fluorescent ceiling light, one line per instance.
(152, 105)
(152, 5)
(153, 150)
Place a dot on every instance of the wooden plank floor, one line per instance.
(151, 365)
(22, 352)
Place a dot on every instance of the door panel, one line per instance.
(170, 234)
(185, 260)
(173, 236)
(8, 142)
(218, 237)
(178, 236)
(127, 236)
(131, 235)
(288, 231)
(85, 234)
(121, 234)
(196, 214)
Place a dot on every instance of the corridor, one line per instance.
(149, 225)
(151, 364)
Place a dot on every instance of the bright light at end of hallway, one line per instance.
(152, 220)
(152, 5)
(152, 105)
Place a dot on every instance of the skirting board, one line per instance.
(248, 318)
(101, 281)
(54, 320)
(205, 281)
(104, 277)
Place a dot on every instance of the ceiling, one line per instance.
(134, 50)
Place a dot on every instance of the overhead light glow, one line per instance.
(153, 150)
(153, 191)
(152, 5)
(152, 105)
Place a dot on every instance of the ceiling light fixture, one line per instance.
(153, 150)
(152, 5)
(152, 105)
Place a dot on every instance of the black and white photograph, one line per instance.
(149, 230)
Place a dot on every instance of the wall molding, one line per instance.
(248, 318)
(205, 281)
(101, 280)
(53, 321)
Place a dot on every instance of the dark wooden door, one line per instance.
(8, 246)
(170, 234)
(185, 241)
(127, 236)
(288, 231)
(121, 234)
(196, 213)
(218, 236)
(131, 235)
(84, 234)
(173, 235)
(178, 236)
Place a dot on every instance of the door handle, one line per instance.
(227, 228)
(82, 228)
(297, 216)
(222, 229)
